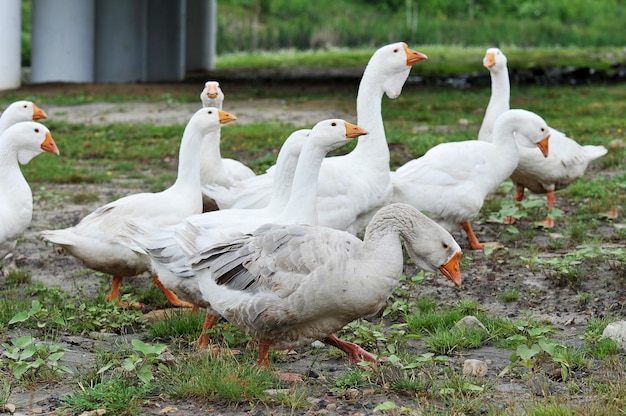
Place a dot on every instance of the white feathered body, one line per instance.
(450, 181)
(293, 284)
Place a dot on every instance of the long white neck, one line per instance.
(372, 146)
(5, 122)
(211, 157)
(506, 148)
(282, 185)
(498, 102)
(189, 160)
(301, 207)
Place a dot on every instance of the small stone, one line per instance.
(617, 144)
(9, 408)
(318, 344)
(617, 332)
(331, 407)
(470, 322)
(351, 394)
(473, 367)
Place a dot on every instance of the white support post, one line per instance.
(10, 44)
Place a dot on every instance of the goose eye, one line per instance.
(444, 245)
(36, 130)
(333, 124)
(396, 50)
(25, 106)
(542, 129)
(210, 111)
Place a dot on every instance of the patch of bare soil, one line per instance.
(484, 279)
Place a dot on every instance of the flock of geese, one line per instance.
(277, 253)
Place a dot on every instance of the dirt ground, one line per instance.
(484, 278)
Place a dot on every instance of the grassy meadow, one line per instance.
(133, 372)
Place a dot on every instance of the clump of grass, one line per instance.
(223, 377)
(118, 396)
(445, 341)
(18, 277)
(177, 324)
(510, 294)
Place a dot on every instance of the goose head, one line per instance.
(529, 129)
(494, 60)
(29, 139)
(209, 119)
(212, 95)
(393, 62)
(21, 111)
(429, 245)
(333, 133)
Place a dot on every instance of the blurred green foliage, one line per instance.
(249, 25)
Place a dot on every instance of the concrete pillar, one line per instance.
(62, 41)
(10, 44)
(165, 43)
(120, 40)
(201, 35)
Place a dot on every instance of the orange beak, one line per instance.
(543, 146)
(38, 113)
(490, 60)
(451, 269)
(413, 57)
(352, 131)
(49, 145)
(211, 91)
(225, 117)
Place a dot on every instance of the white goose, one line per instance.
(20, 111)
(216, 170)
(19, 143)
(451, 181)
(567, 161)
(96, 239)
(297, 206)
(351, 186)
(288, 285)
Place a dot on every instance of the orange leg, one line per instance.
(171, 297)
(519, 195)
(203, 340)
(114, 292)
(264, 353)
(355, 353)
(549, 222)
(264, 361)
(474, 244)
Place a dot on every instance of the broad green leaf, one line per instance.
(128, 364)
(526, 353)
(20, 317)
(144, 374)
(56, 356)
(21, 342)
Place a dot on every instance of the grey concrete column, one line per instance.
(201, 35)
(10, 44)
(165, 43)
(120, 40)
(62, 41)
